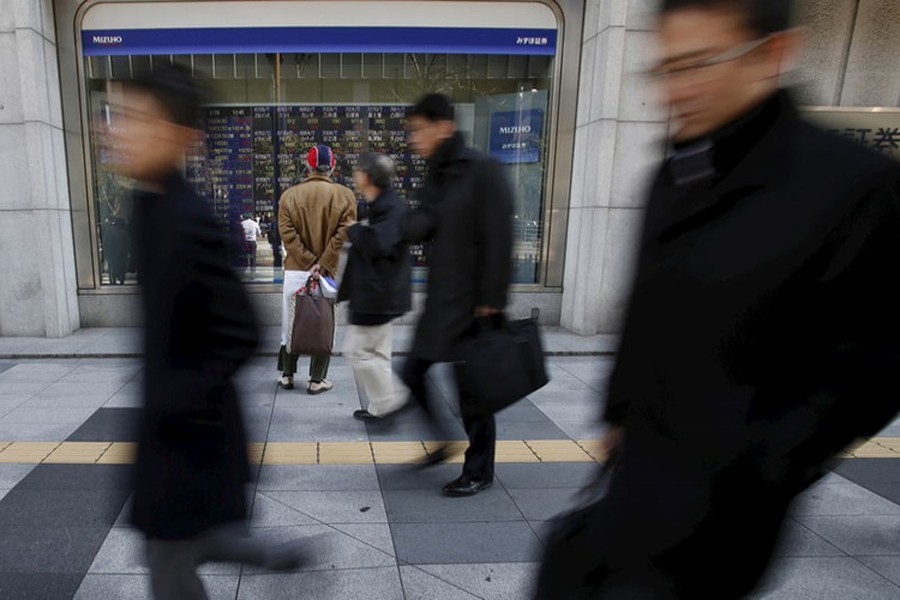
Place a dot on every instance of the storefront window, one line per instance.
(274, 97)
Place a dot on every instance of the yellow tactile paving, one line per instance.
(291, 453)
(119, 453)
(336, 453)
(78, 452)
(398, 452)
(255, 452)
(27, 452)
(311, 453)
(558, 451)
(593, 448)
(515, 451)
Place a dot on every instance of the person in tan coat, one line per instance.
(313, 217)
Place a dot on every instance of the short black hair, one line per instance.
(175, 89)
(764, 17)
(379, 168)
(433, 107)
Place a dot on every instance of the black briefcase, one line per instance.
(501, 363)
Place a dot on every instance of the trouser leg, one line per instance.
(318, 367)
(173, 569)
(413, 375)
(369, 353)
(287, 362)
(482, 433)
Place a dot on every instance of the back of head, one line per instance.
(175, 90)
(763, 17)
(379, 169)
(321, 159)
(434, 107)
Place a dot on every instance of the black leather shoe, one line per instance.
(435, 458)
(366, 416)
(465, 486)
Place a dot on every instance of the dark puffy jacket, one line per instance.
(378, 277)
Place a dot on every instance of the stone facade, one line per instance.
(38, 291)
(852, 59)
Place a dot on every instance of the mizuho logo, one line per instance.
(107, 40)
(516, 129)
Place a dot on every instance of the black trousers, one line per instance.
(481, 430)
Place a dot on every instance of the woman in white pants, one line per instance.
(377, 282)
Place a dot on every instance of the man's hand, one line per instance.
(613, 441)
(315, 271)
(486, 311)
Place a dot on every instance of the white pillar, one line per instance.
(619, 140)
(37, 267)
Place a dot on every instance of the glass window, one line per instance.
(269, 108)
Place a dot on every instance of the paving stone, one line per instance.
(344, 546)
(546, 430)
(414, 477)
(796, 540)
(499, 581)
(61, 508)
(545, 474)
(97, 586)
(37, 549)
(861, 535)
(543, 504)
(11, 474)
(77, 477)
(842, 500)
(886, 566)
(318, 478)
(822, 578)
(419, 584)
(430, 506)
(350, 584)
(323, 507)
(123, 553)
(454, 543)
(39, 586)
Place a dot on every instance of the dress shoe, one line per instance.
(439, 455)
(286, 557)
(367, 417)
(466, 486)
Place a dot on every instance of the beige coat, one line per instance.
(313, 217)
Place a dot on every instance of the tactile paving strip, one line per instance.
(312, 453)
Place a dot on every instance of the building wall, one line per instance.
(37, 268)
(852, 58)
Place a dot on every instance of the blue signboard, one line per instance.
(516, 135)
(215, 40)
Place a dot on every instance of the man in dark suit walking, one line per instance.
(465, 214)
(760, 338)
(192, 468)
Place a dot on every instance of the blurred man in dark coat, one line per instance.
(465, 213)
(760, 338)
(192, 467)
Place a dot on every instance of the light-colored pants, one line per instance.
(368, 349)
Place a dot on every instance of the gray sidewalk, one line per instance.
(377, 530)
(124, 342)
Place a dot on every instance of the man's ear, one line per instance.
(783, 51)
(447, 129)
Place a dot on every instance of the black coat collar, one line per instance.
(746, 156)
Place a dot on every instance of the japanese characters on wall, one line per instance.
(874, 128)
